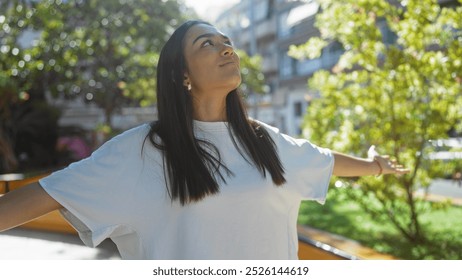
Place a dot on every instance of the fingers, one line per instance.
(387, 164)
(399, 168)
(403, 170)
(391, 166)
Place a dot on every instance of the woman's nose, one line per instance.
(227, 50)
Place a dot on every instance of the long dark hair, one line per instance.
(193, 172)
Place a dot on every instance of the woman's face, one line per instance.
(212, 65)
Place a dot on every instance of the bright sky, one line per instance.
(209, 9)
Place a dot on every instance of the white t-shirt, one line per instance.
(120, 193)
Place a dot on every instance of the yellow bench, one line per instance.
(315, 244)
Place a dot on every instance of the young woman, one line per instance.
(202, 182)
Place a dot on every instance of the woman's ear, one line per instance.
(187, 82)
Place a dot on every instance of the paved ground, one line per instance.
(24, 244)
(444, 189)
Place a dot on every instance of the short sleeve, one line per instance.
(94, 190)
(308, 168)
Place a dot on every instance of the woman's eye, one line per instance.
(207, 43)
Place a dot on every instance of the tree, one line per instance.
(8, 159)
(28, 126)
(396, 95)
(105, 51)
(253, 79)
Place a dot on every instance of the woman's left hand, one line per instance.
(389, 166)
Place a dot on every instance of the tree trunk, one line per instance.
(108, 111)
(8, 160)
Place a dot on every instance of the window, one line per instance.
(388, 36)
(308, 66)
(332, 54)
(286, 66)
(283, 27)
(298, 109)
(260, 10)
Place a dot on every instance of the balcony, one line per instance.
(269, 64)
(266, 28)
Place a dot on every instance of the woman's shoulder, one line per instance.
(280, 137)
(139, 130)
(133, 136)
(267, 127)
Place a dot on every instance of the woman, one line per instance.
(204, 181)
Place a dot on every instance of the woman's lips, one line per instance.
(227, 63)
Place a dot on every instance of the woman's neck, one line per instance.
(209, 109)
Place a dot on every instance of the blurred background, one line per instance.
(345, 74)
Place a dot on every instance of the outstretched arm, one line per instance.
(349, 166)
(25, 204)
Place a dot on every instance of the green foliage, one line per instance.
(104, 51)
(396, 95)
(311, 49)
(253, 79)
(15, 62)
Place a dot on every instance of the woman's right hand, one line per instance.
(25, 204)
